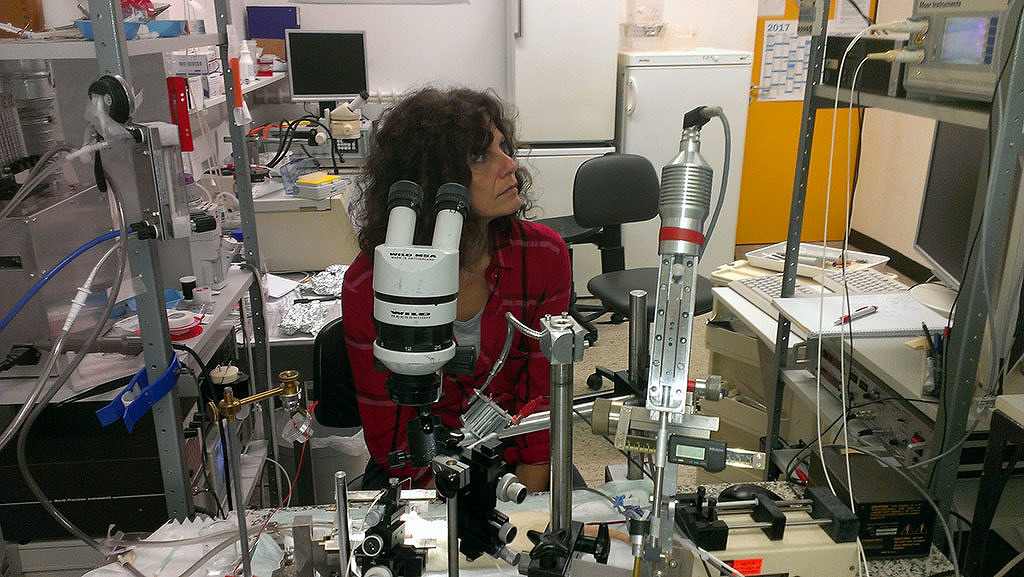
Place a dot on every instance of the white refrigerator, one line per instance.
(655, 89)
(562, 59)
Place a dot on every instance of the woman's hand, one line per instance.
(535, 477)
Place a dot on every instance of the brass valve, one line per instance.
(290, 391)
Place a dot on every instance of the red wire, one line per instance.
(298, 469)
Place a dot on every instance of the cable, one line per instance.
(210, 481)
(40, 171)
(287, 477)
(50, 274)
(824, 246)
(1013, 563)
(51, 361)
(861, 12)
(796, 458)
(689, 535)
(931, 503)
(821, 298)
(350, 483)
(288, 497)
(725, 177)
(59, 383)
(210, 393)
(844, 388)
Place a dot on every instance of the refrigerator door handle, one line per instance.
(518, 32)
(631, 95)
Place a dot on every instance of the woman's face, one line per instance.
(493, 189)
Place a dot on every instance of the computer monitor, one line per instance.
(944, 226)
(325, 65)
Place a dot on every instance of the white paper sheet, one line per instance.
(278, 286)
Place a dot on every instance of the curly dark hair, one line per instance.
(430, 138)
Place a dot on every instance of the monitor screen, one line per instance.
(964, 40)
(944, 227)
(324, 65)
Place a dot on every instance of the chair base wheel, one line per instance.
(594, 381)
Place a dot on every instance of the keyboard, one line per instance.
(760, 291)
(862, 281)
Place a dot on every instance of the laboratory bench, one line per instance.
(427, 527)
(741, 340)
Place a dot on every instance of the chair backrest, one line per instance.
(615, 189)
(333, 385)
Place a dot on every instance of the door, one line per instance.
(656, 98)
(562, 59)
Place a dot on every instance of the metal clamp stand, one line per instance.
(228, 408)
(562, 342)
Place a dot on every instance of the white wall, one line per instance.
(413, 45)
(729, 24)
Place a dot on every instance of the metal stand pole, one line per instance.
(453, 535)
(561, 446)
(639, 337)
(636, 370)
(260, 376)
(112, 58)
(796, 219)
(341, 519)
(235, 455)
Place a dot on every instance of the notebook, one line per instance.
(899, 315)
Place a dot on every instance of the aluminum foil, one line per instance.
(304, 317)
(329, 281)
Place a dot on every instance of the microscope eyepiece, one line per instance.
(452, 196)
(405, 193)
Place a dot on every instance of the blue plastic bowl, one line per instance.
(85, 27)
(167, 28)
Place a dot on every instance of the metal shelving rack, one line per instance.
(972, 309)
(112, 55)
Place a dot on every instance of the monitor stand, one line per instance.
(934, 296)
(323, 105)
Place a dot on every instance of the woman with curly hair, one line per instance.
(507, 264)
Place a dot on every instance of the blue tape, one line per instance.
(139, 396)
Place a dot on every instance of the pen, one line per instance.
(928, 338)
(859, 313)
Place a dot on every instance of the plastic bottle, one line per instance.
(246, 66)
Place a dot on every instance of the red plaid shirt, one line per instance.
(529, 270)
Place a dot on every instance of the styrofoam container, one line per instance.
(813, 259)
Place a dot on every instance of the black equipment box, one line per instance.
(895, 520)
(876, 76)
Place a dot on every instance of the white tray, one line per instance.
(773, 258)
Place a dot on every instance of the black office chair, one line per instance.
(334, 389)
(334, 392)
(610, 191)
(572, 233)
